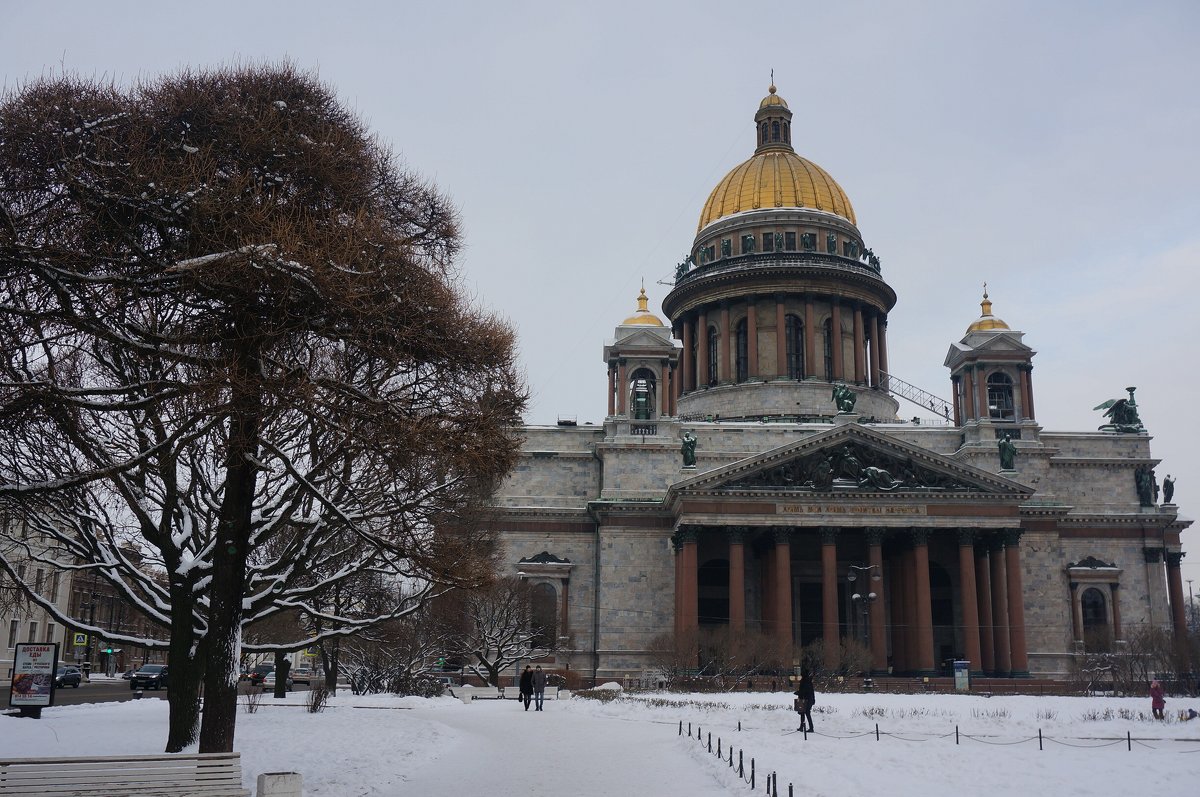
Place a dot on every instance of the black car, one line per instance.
(150, 676)
(68, 676)
(259, 673)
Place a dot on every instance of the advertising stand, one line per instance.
(34, 666)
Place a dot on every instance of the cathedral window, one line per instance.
(789, 241)
(787, 133)
(808, 241)
(793, 332)
(763, 130)
(768, 242)
(543, 616)
(642, 394)
(1094, 609)
(713, 339)
(742, 357)
(747, 244)
(775, 131)
(1000, 396)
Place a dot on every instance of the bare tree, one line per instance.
(233, 342)
(497, 631)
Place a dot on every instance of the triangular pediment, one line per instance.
(641, 336)
(852, 459)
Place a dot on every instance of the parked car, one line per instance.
(150, 676)
(259, 673)
(69, 676)
(304, 675)
(127, 674)
(268, 681)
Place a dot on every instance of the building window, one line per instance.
(33, 626)
(787, 132)
(743, 360)
(808, 241)
(50, 629)
(713, 337)
(14, 628)
(642, 394)
(789, 241)
(1000, 396)
(21, 572)
(1094, 608)
(793, 332)
(543, 615)
(768, 242)
(828, 347)
(774, 131)
(726, 247)
(39, 579)
(747, 244)
(763, 130)
(54, 587)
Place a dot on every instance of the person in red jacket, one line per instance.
(1157, 702)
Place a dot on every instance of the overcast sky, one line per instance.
(1049, 148)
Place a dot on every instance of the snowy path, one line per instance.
(496, 748)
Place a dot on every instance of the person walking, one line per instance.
(539, 687)
(526, 686)
(1157, 701)
(806, 698)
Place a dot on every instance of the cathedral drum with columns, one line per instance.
(752, 473)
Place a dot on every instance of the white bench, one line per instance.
(168, 775)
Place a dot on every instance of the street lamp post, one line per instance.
(864, 598)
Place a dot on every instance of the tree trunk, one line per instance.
(229, 576)
(282, 667)
(186, 668)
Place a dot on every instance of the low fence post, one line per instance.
(751, 774)
(710, 741)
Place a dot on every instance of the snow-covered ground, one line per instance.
(411, 746)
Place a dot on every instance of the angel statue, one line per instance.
(1122, 414)
(844, 398)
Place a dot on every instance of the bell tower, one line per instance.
(642, 367)
(991, 373)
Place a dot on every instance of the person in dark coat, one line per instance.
(1157, 701)
(539, 687)
(526, 686)
(806, 698)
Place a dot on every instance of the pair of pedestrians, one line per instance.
(533, 687)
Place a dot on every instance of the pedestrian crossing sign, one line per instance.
(81, 640)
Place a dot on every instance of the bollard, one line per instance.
(775, 785)
(956, 734)
(739, 725)
(710, 741)
(1039, 738)
(719, 748)
(731, 756)
(681, 727)
(877, 731)
(751, 773)
(741, 769)
(1129, 741)
(689, 730)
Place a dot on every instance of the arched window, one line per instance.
(1000, 396)
(1095, 614)
(743, 359)
(543, 615)
(775, 131)
(713, 339)
(764, 133)
(793, 332)
(827, 331)
(643, 394)
(787, 133)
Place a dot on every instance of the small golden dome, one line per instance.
(776, 178)
(772, 99)
(986, 321)
(643, 316)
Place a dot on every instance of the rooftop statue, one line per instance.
(1008, 453)
(844, 398)
(1122, 413)
(1168, 490)
(688, 448)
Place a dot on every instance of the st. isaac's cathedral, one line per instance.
(753, 472)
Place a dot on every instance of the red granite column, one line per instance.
(690, 573)
(1000, 607)
(677, 544)
(1116, 607)
(830, 632)
(860, 357)
(723, 373)
(876, 611)
(969, 598)
(612, 391)
(983, 584)
(924, 604)
(751, 339)
(1016, 604)
(783, 585)
(874, 352)
(1023, 386)
(955, 382)
(810, 338)
(702, 349)
(737, 579)
(911, 636)
(688, 383)
(969, 412)
(883, 361)
(672, 393)
(1175, 593)
(835, 323)
(896, 604)
(622, 392)
(1027, 372)
(780, 337)
(766, 610)
(981, 392)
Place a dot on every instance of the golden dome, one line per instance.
(643, 316)
(772, 99)
(776, 178)
(986, 321)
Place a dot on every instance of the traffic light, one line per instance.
(108, 651)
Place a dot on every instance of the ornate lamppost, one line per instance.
(863, 598)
